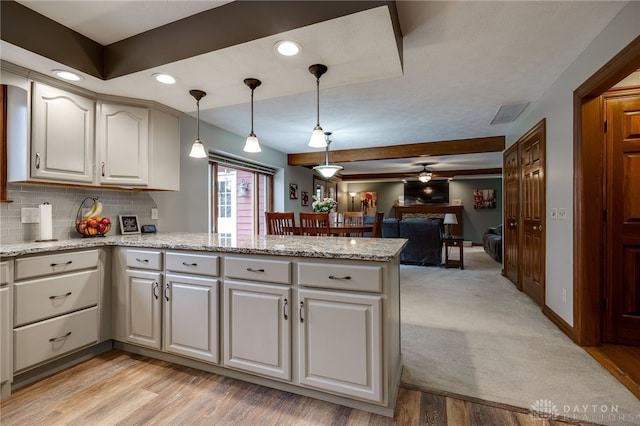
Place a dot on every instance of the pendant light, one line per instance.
(425, 175)
(327, 170)
(197, 149)
(252, 144)
(317, 137)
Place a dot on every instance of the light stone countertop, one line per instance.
(371, 249)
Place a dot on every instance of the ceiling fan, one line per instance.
(425, 175)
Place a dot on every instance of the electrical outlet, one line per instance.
(554, 213)
(29, 215)
(564, 295)
(562, 213)
(154, 213)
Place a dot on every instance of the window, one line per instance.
(242, 193)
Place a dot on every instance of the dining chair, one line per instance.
(314, 224)
(354, 218)
(377, 225)
(280, 223)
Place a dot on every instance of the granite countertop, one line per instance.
(373, 249)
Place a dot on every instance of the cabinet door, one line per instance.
(340, 341)
(257, 331)
(143, 307)
(5, 347)
(191, 317)
(123, 145)
(62, 135)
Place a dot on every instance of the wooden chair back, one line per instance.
(377, 225)
(280, 223)
(314, 224)
(354, 218)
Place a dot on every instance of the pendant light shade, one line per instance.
(252, 144)
(327, 170)
(317, 137)
(197, 149)
(425, 175)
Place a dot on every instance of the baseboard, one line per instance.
(558, 321)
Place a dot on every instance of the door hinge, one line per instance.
(605, 127)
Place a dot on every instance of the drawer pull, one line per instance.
(333, 277)
(284, 309)
(301, 310)
(37, 160)
(62, 296)
(142, 260)
(68, 262)
(166, 292)
(190, 264)
(155, 290)
(255, 270)
(57, 339)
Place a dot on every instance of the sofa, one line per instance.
(492, 242)
(425, 239)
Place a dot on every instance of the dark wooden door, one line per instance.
(623, 220)
(511, 170)
(533, 208)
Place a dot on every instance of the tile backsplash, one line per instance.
(65, 202)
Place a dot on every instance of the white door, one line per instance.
(123, 145)
(143, 308)
(63, 136)
(340, 340)
(257, 330)
(227, 222)
(191, 316)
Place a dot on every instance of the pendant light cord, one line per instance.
(252, 111)
(318, 100)
(198, 113)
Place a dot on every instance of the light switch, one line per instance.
(554, 213)
(154, 213)
(562, 213)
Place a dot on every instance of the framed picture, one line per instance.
(305, 199)
(293, 191)
(129, 224)
(484, 198)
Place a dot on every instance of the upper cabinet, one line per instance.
(123, 144)
(62, 135)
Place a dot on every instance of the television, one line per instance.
(432, 192)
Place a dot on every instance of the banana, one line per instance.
(95, 210)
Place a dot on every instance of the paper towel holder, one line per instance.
(48, 239)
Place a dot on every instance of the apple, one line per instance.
(106, 221)
(102, 228)
(92, 223)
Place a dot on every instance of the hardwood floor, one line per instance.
(122, 388)
(622, 361)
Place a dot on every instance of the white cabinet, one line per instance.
(62, 135)
(123, 144)
(340, 343)
(143, 308)
(257, 328)
(6, 342)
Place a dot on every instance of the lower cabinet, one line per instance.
(257, 330)
(143, 308)
(340, 343)
(6, 340)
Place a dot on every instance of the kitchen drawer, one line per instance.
(5, 273)
(255, 269)
(37, 266)
(144, 259)
(52, 338)
(192, 263)
(340, 277)
(56, 295)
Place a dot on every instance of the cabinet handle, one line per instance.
(155, 290)
(37, 160)
(142, 260)
(62, 296)
(332, 277)
(68, 262)
(255, 270)
(537, 228)
(57, 339)
(284, 309)
(166, 292)
(301, 310)
(103, 169)
(190, 264)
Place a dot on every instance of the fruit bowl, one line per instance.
(91, 223)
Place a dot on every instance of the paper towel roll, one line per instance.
(46, 222)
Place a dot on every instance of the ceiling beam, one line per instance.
(414, 175)
(392, 152)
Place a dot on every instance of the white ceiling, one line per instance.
(462, 60)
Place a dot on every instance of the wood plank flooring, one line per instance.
(622, 361)
(126, 389)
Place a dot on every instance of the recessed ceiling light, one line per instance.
(288, 47)
(67, 75)
(164, 78)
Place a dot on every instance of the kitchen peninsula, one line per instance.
(316, 316)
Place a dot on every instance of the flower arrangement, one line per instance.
(324, 205)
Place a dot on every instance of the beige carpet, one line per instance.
(471, 332)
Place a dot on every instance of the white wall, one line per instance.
(556, 105)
